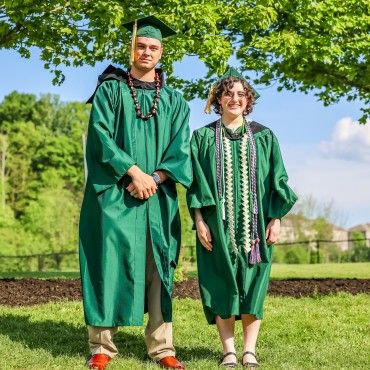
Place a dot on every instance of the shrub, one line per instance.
(278, 255)
(296, 254)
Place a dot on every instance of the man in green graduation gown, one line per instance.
(137, 150)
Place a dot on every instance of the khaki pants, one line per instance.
(158, 334)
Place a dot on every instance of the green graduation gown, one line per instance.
(229, 285)
(113, 224)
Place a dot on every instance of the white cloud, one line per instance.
(349, 140)
(345, 183)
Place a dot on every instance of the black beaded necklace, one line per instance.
(153, 110)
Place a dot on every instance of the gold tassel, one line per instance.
(133, 43)
(211, 96)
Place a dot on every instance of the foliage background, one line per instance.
(296, 44)
(42, 177)
(42, 174)
(42, 181)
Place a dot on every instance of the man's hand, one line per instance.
(273, 231)
(203, 231)
(142, 186)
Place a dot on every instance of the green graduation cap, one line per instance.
(149, 26)
(230, 72)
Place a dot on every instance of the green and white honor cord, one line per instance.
(245, 193)
(229, 194)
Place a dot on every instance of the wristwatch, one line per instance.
(156, 178)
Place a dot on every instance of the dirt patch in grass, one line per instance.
(22, 292)
(309, 287)
(290, 288)
(25, 292)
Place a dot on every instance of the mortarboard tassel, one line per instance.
(211, 96)
(133, 42)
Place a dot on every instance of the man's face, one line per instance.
(148, 52)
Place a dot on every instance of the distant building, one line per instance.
(295, 228)
(340, 235)
(364, 229)
(287, 232)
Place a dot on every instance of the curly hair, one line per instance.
(226, 85)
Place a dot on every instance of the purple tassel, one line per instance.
(254, 256)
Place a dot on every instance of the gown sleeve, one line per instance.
(176, 160)
(106, 162)
(199, 195)
(282, 197)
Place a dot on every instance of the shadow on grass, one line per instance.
(197, 353)
(63, 339)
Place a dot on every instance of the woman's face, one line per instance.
(234, 101)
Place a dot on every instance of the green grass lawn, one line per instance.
(41, 275)
(325, 332)
(360, 270)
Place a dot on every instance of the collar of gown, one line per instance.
(147, 85)
(114, 73)
(233, 134)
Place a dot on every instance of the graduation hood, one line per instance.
(114, 73)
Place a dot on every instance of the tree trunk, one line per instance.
(3, 155)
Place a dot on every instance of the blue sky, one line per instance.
(327, 154)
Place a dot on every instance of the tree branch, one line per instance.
(59, 8)
(9, 35)
(330, 71)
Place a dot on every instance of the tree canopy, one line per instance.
(41, 177)
(42, 180)
(299, 45)
(38, 134)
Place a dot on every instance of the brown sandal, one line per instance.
(229, 365)
(247, 364)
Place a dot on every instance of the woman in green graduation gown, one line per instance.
(238, 197)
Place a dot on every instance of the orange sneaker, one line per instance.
(171, 362)
(98, 361)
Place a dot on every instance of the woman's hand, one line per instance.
(273, 231)
(204, 234)
(203, 231)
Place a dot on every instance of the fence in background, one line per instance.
(312, 251)
(309, 251)
(40, 262)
